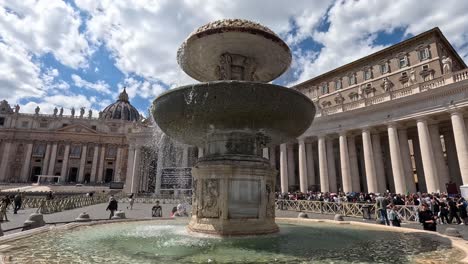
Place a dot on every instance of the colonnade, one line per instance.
(373, 159)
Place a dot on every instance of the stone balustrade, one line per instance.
(395, 94)
(405, 212)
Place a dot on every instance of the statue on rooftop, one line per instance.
(61, 112)
(90, 113)
(17, 108)
(37, 110)
(447, 64)
(72, 111)
(82, 111)
(55, 111)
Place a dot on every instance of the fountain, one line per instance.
(233, 115)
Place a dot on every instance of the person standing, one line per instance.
(453, 211)
(444, 211)
(18, 201)
(131, 200)
(393, 216)
(112, 207)
(381, 205)
(461, 204)
(427, 218)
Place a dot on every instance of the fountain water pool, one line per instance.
(170, 242)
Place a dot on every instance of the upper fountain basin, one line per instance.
(268, 56)
(195, 113)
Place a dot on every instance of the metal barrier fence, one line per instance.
(60, 204)
(162, 200)
(364, 210)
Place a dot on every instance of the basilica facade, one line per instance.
(394, 120)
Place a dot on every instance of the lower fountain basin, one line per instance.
(243, 113)
(170, 242)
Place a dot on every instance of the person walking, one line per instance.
(427, 218)
(381, 205)
(18, 201)
(112, 206)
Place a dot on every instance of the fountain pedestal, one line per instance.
(233, 196)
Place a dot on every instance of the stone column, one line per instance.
(27, 162)
(379, 164)
(265, 153)
(53, 156)
(441, 166)
(185, 156)
(4, 162)
(118, 161)
(94, 166)
(353, 162)
(406, 159)
(284, 168)
(273, 157)
(303, 181)
(331, 166)
(63, 171)
(427, 155)
(291, 165)
(200, 152)
(128, 179)
(102, 160)
(452, 159)
(461, 142)
(369, 164)
(310, 164)
(419, 166)
(45, 166)
(344, 161)
(395, 157)
(84, 150)
(323, 165)
(135, 171)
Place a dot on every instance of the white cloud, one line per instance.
(354, 25)
(47, 104)
(99, 86)
(44, 27)
(144, 36)
(143, 89)
(19, 76)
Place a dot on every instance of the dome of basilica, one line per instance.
(121, 109)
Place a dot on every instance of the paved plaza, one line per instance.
(143, 211)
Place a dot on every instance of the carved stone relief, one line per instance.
(210, 195)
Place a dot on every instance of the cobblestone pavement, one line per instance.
(141, 211)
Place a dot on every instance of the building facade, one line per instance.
(78, 147)
(394, 120)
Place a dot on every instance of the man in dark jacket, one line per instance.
(427, 218)
(453, 209)
(112, 207)
(18, 201)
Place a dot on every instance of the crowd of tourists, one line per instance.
(432, 208)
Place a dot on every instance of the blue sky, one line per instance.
(81, 53)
